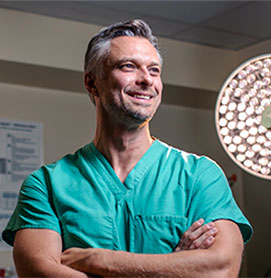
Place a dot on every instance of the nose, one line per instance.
(144, 78)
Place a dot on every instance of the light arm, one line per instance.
(37, 253)
(222, 259)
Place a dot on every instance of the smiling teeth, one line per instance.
(142, 97)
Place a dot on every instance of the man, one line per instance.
(120, 205)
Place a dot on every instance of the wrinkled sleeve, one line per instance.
(34, 208)
(213, 200)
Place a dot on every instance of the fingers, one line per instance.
(196, 230)
(208, 242)
(205, 240)
(195, 226)
(191, 234)
(198, 236)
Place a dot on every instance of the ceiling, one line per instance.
(224, 24)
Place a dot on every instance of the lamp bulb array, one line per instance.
(243, 98)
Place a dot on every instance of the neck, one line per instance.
(123, 148)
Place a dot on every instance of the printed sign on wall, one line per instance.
(21, 152)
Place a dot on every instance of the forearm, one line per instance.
(37, 253)
(194, 263)
(41, 267)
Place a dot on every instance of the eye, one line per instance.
(127, 67)
(155, 70)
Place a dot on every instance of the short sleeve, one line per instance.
(213, 200)
(34, 208)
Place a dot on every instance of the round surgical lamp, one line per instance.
(243, 116)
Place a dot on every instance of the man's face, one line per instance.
(130, 91)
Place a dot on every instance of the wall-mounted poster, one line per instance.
(21, 152)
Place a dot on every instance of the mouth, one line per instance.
(140, 96)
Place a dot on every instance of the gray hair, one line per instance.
(98, 47)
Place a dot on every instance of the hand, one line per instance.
(198, 236)
(86, 260)
(75, 257)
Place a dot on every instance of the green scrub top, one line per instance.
(81, 198)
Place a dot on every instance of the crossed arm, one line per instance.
(39, 253)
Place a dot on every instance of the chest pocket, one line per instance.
(157, 234)
(87, 231)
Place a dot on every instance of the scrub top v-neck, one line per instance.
(105, 170)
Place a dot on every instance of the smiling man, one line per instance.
(127, 204)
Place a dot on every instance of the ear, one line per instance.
(89, 81)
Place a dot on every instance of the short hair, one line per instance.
(98, 47)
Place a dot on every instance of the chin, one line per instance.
(132, 120)
(139, 115)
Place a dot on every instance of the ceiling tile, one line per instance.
(191, 12)
(162, 27)
(72, 10)
(215, 38)
(90, 12)
(253, 19)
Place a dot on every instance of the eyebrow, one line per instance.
(127, 59)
